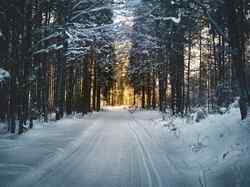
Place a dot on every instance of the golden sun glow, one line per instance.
(122, 93)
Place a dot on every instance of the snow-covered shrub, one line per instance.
(224, 94)
(3, 128)
(235, 104)
(132, 109)
(166, 115)
(223, 110)
(189, 119)
(4, 74)
(199, 115)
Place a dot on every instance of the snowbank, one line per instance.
(215, 148)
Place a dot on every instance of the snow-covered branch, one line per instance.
(176, 20)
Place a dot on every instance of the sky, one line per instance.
(123, 18)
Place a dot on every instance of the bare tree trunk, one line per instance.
(188, 72)
(236, 38)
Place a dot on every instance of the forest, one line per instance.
(64, 57)
(124, 93)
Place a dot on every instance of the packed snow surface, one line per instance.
(118, 147)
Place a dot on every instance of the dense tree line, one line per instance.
(57, 56)
(195, 51)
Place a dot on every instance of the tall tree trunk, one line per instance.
(143, 93)
(188, 72)
(236, 36)
(94, 94)
(154, 91)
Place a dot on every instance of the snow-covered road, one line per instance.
(106, 149)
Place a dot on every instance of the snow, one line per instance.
(51, 36)
(116, 147)
(176, 20)
(41, 146)
(4, 74)
(248, 15)
(3, 128)
(215, 146)
(81, 12)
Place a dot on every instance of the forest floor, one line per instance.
(116, 148)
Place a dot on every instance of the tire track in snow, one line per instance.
(165, 157)
(143, 157)
(91, 144)
(149, 165)
(50, 165)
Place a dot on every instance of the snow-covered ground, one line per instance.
(215, 151)
(121, 148)
(3, 128)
